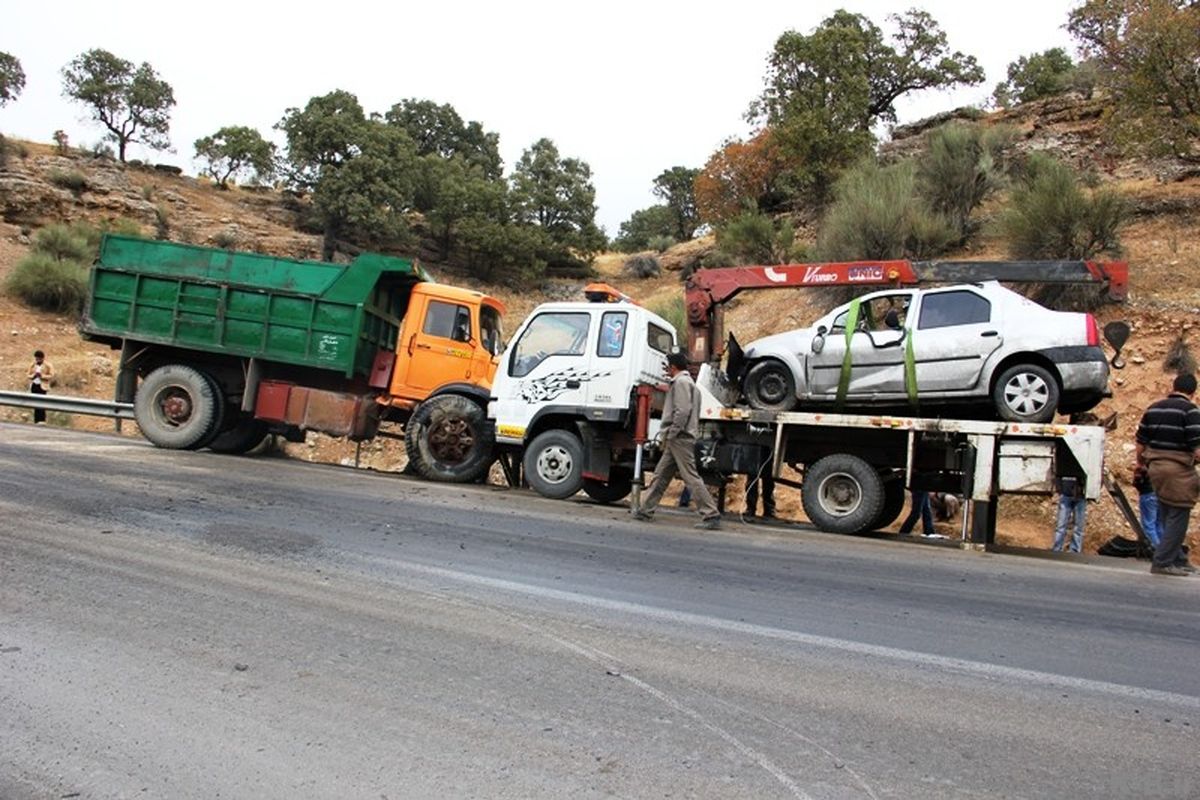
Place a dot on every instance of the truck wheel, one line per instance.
(1026, 393)
(448, 439)
(554, 464)
(220, 417)
(175, 407)
(842, 494)
(893, 503)
(770, 386)
(615, 489)
(243, 437)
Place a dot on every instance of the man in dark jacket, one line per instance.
(680, 427)
(1168, 446)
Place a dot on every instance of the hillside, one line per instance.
(1161, 247)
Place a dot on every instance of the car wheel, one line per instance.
(1026, 393)
(554, 464)
(770, 386)
(843, 494)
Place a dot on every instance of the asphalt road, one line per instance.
(187, 625)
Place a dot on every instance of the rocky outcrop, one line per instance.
(48, 187)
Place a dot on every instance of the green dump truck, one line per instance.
(220, 348)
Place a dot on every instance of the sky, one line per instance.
(631, 88)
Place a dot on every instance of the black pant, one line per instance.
(1174, 530)
(768, 493)
(39, 414)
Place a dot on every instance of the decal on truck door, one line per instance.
(551, 386)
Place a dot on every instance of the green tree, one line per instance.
(235, 150)
(1147, 52)
(360, 170)
(458, 195)
(438, 129)
(1051, 216)
(826, 89)
(676, 188)
(132, 103)
(556, 195)
(1033, 77)
(12, 78)
(642, 226)
(755, 238)
(877, 213)
(499, 249)
(961, 166)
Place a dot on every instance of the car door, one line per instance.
(956, 330)
(876, 350)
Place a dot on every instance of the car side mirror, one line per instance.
(818, 342)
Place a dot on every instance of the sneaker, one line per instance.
(643, 516)
(1187, 568)
(1170, 570)
(709, 524)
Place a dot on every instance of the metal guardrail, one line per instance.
(69, 405)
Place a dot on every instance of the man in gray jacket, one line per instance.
(681, 427)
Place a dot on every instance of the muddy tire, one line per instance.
(448, 439)
(221, 418)
(893, 503)
(615, 489)
(554, 464)
(246, 434)
(843, 494)
(176, 407)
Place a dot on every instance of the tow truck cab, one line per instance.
(564, 391)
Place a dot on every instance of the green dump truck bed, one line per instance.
(307, 313)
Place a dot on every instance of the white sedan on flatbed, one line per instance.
(980, 347)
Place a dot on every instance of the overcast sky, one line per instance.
(632, 88)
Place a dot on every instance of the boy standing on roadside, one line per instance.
(40, 376)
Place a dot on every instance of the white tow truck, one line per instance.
(576, 391)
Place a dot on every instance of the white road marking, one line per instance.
(979, 669)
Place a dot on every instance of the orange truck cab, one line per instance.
(440, 382)
(450, 337)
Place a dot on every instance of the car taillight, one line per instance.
(1093, 332)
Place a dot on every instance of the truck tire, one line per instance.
(448, 439)
(615, 489)
(770, 386)
(554, 464)
(246, 434)
(175, 407)
(1026, 393)
(221, 418)
(893, 503)
(842, 494)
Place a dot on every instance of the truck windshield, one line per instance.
(555, 333)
